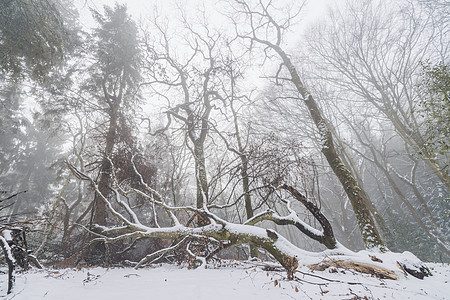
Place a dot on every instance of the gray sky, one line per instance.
(145, 8)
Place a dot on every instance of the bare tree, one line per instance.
(238, 144)
(194, 78)
(216, 231)
(79, 135)
(379, 156)
(262, 28)
(374, 52)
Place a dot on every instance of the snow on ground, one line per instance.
(233, 280)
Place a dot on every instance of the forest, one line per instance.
(261, 134)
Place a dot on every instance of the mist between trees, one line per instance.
(155, 141)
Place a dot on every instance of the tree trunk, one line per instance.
(244, 165)
(201, 181)
(200, 172)
(369, 232)
(349, 162)
(105, 171)
(247, 198)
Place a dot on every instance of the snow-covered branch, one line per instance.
(324, 236)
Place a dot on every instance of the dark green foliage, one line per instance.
(33, 37)
(27, 153)
(116, 51)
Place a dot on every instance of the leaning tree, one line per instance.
(262, 24)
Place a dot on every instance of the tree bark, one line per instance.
(201, 176)
(105, 171)
(369, 232)
(349, 162)
(262, 22)
(244, 167)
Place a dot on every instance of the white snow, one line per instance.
(235, 280)
(6, 246)
(7, 235)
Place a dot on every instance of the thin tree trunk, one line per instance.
(244, 170)
(201, 177)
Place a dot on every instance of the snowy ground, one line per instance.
(233, 281)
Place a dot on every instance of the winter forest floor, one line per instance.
(227, 280)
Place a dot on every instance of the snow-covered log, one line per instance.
(217, 232)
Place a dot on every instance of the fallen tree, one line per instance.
(218, 233)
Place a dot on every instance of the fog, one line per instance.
(135, 128)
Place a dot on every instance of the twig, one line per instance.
(12, 196)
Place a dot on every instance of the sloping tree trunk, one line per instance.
(380, 64)
(350, 163)
(261, 15)
(369, 232)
